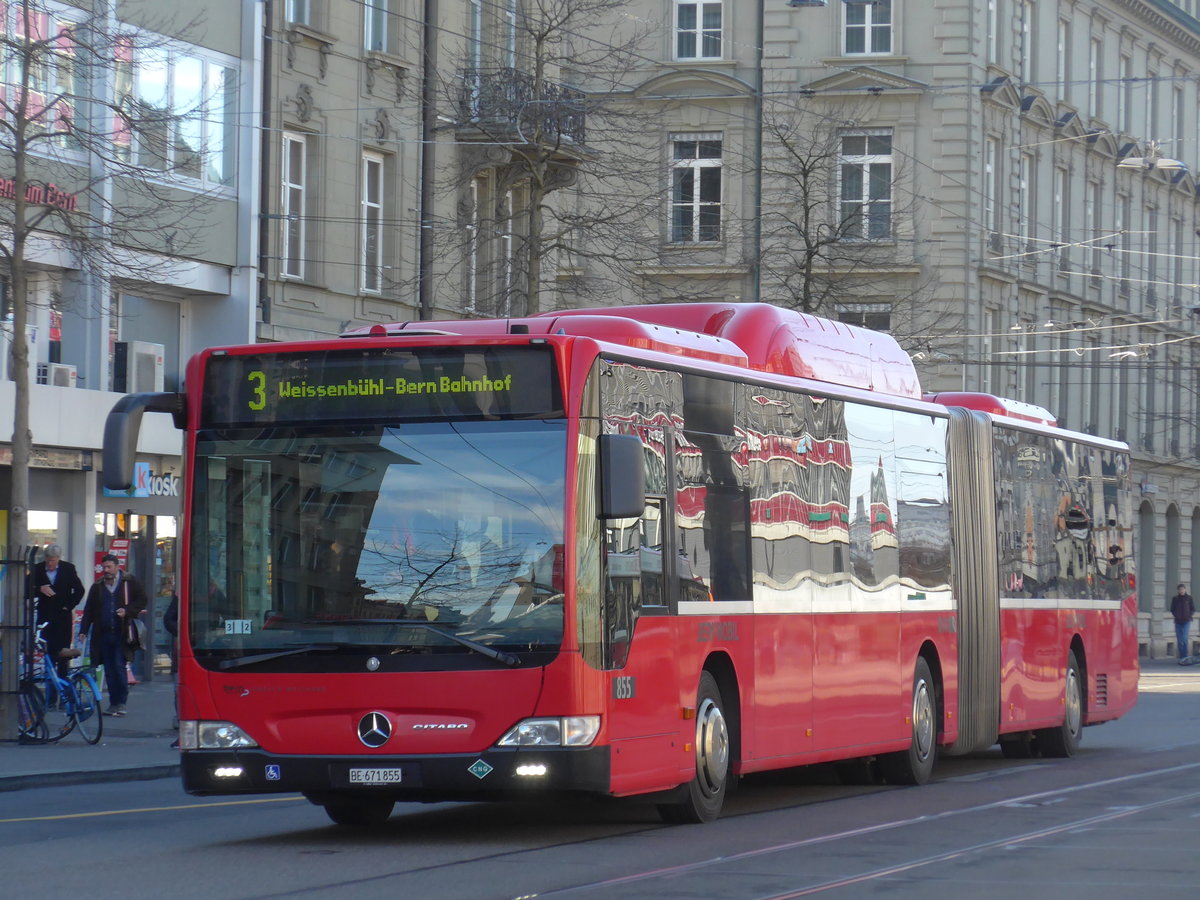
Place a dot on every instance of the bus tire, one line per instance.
(1062, 740)
(359, 813)
(915, 765)
(701, 799)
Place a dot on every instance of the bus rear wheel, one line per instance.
(359, 813)
(915, 765)
(701, 799)
(1063, 740)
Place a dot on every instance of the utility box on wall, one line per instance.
(138, 367)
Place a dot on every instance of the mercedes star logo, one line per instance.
(374, 729)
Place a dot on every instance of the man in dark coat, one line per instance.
(1182, 610)
(113, 603)
(56, 586)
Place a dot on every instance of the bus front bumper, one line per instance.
(493, 774)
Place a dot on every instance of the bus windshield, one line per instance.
(410, 545)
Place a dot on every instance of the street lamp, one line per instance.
(1152, 160)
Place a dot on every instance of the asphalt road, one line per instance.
(1121, 819)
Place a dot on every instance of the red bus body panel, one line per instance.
(811, 686)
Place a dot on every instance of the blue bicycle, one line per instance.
(50, 706)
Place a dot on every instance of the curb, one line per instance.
(93, 776)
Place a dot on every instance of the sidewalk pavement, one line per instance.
(138, 746)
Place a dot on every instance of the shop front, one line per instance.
(140, 526)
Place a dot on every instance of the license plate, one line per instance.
(375, 776)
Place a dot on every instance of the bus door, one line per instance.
(857, 670)
(644, 722)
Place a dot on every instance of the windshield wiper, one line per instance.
(276, 654)
(490, 652)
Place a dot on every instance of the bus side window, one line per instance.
(633, 577)
(651, 553)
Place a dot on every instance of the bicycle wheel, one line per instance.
(87, 707)
(31, 727)
(60, 708)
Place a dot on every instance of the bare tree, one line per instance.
(93, 153)
(531, 124)
(839, 216)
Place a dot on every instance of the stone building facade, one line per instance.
(993, 181)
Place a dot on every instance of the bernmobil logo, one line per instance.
(147, 484)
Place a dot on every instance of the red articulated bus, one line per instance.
(630, 552)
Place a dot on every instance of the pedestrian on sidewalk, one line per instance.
(1182, 608)
(113, 605)
(56, 586)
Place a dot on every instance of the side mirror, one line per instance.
(121, 433)
(622, 477)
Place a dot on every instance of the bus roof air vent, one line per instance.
(997, 406)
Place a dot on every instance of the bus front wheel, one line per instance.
(915, 765)
(701, 799)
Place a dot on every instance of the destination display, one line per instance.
(380, 384)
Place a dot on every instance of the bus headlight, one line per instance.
(569, 731)
(194, 735)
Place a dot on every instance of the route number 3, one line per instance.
(258, 384)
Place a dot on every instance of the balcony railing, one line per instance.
(510, 100)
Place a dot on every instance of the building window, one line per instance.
(1179, 114)
(1125, 97)
(505, 252)
(1028, 32)
(1089, 393)
(1095, 77)
(1151, 107)
(865, 190)
(508, 14)
(1062, 52)
(475, 37)
(372, 223)
(1149, 413)
(474, 230)
(1123, 210)
(868, 28)
(1175, 447)
(54, 79)
(1061, 386)
(993, 32)
(1025, 201)
(298, 11)
(375, 25)
(1176, 255)
(697, 29)
(182, 105)
(991, 184)
(875, 316)
(1060, 229)
(1151, 232)
(695, 189)
(1094, 236)
(293, 198)
(990, 377)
